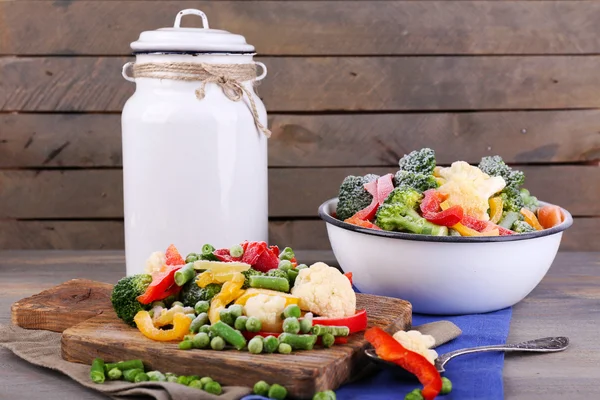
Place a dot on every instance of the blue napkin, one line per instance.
(474, 377)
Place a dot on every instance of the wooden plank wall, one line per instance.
(352, 86)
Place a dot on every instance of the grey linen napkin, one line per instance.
(42, 348)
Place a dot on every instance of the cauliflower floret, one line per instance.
(469, 187)
(417, 342)
(155, 262)
(267, 309)
(325, 291)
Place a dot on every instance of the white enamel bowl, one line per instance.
(444, 275)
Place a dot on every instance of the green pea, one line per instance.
(414, 395)
(240, 323)
(277, 392)
(270, 344)
(201, 340)
(255, 345)
(191, 316)
(195, 384)
(226, 317)
(261, 388)
(301, 267)
(184, 380)
(253, 324)
(192, 257)
(213, 388)
(326, 395)
(285, 265)
(292, 311)
(159, 304)
(446, 386)
(177, 303)
(202, 307)
(236, 311)
(284, 348)
(217, 343)
(141, 377)
(204, 328)
(185, 345)
(291, 325)
(328, 340)
(236, 251)
(205, 380)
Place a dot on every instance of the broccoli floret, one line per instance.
(247, 274)
(495, 166)
(278, 273)
(398, 213)
(419, 161)
(522, 227)
(124, 296)
(353, 197)
(511, 200)
(191, 293)
(530, 202)
(418, 181)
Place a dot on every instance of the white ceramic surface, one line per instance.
(448, 275)
(195, 171)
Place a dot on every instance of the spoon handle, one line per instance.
(544, 345)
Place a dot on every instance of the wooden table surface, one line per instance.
(566, 303)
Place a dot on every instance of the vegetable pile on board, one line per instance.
(460, 200)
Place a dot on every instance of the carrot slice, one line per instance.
(531, 219)
(550, 216)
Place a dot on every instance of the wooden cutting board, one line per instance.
(91, 329)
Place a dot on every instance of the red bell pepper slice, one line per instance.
(384, 187)
(173, 256)
(161, 286)
(431, 201)
(349, 276)
(267, 261)
(380, 190)
(430, 207)
(390, 350)
(481, 226)
(360, 220)
(356, 322)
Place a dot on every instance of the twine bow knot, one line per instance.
(228, 77)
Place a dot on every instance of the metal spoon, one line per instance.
(544, 345)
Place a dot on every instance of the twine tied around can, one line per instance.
(229, 77)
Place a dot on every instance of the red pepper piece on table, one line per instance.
(356, 322)
(390, 350)
(161, 286)
(349, 276)
(173, 256)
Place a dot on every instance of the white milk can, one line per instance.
(194, 143)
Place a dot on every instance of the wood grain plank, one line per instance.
(329, 83)
(584, 235)
(99, 193)
(312, 28)
(94, 140)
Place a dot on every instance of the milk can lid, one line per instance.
(177, 39)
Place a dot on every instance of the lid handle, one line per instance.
(189, 11)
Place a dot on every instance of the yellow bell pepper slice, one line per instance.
(166, 316)
(220, 266)
(445, 205)
(181, 327)
(491, 232)
(230, 291)
(496, 205)
(208, 277)
(289, 299)
(465, 230)
(531, 219)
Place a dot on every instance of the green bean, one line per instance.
(213, 388)
(199, 321)
(114, 374)
(207, 253)
(226, 317)
(185, 274)
(231, 336)
(195, 384)
(328, 340)
(284, 348)
(202, 307)
(200, 341)
(255, 345)
(270, 344)
(191, 316)
(270, 282)
(292, 275)
(446, 386)
(285, 265)
(298, 342)
(217, 343)
(240, 323)
(236, 251)
(261, 388)
(301, 267)
(125, 365)
(235, 310)
(291, 325)
(287, 254)
(185, 345)
(320, 330)
(292, 311)
(156, 376)
(277, 392)
(129, 375)
(253, 324)
(97, 371)
(191, 258)
(326, 395)
(306, 323)
(141, 377)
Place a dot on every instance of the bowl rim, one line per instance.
(326, 216)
